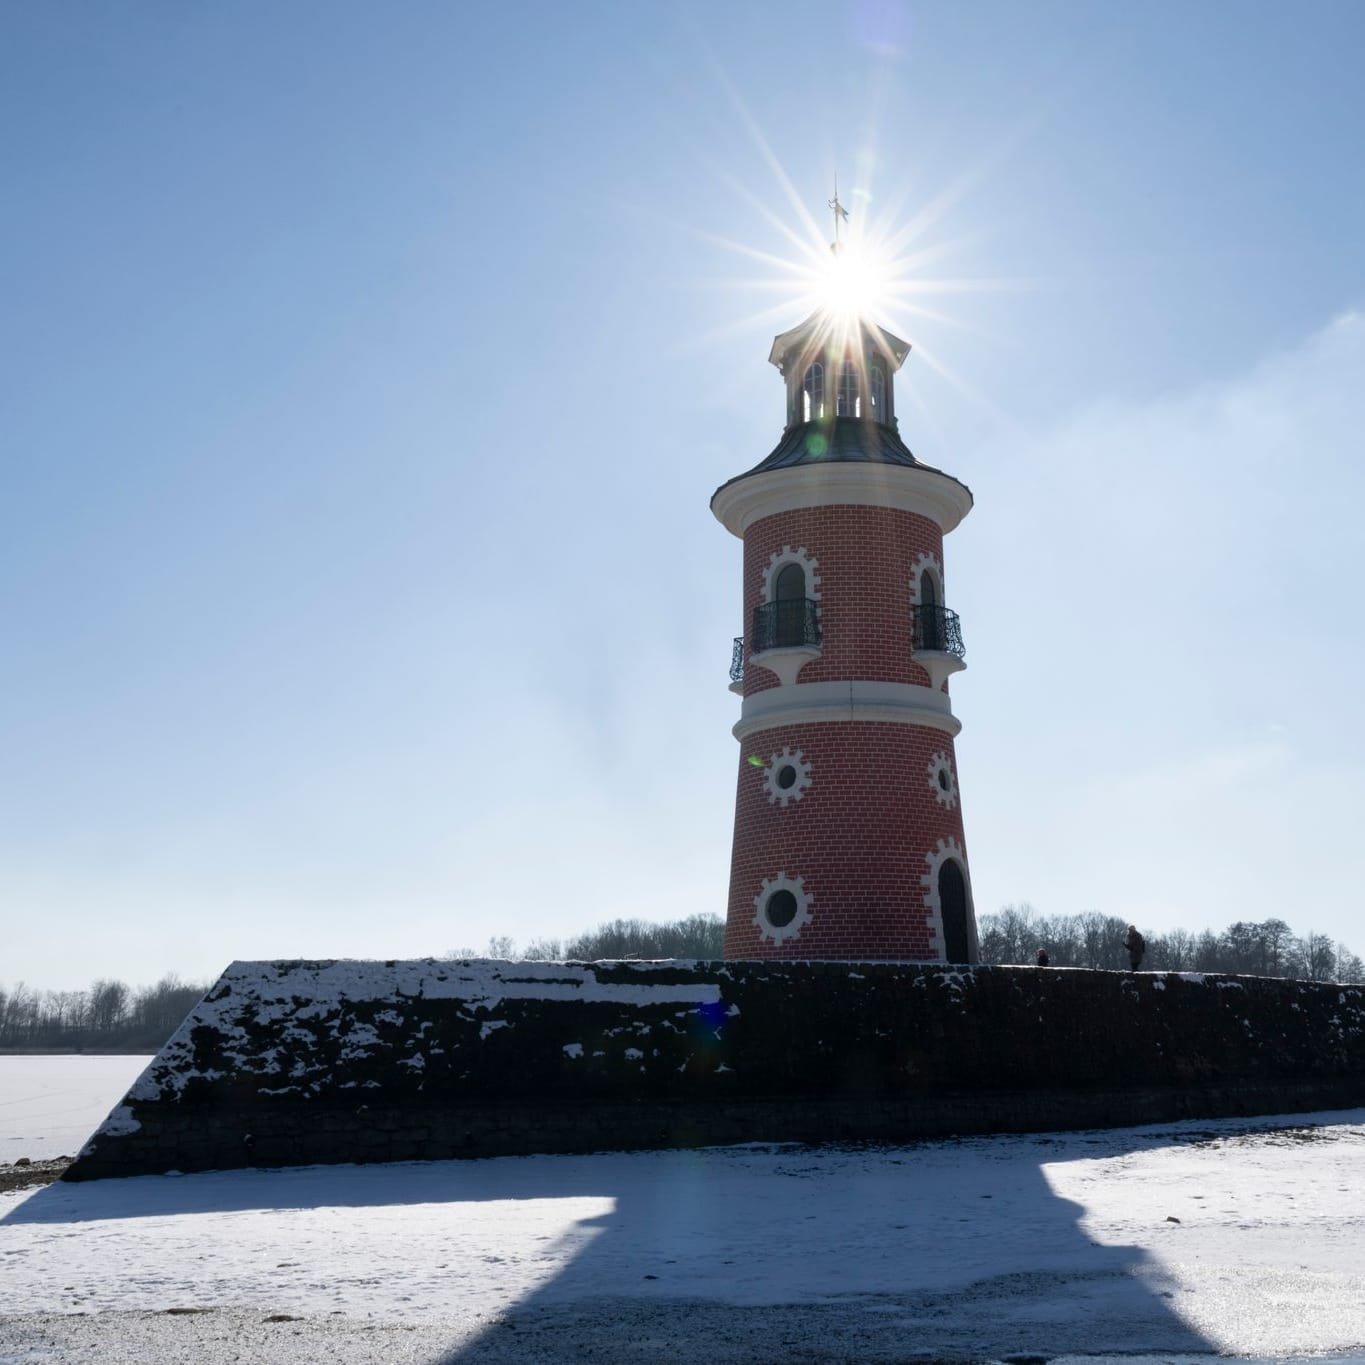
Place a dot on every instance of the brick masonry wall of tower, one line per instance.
(866, 559)
(864, 832)
(287, 1063)
(858, 837)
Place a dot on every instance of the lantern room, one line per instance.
(836, 367)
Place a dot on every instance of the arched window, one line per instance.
(929, 615)
(847, 404)
(877, 382)
(790, 593)
(791, 583)
(813, 394)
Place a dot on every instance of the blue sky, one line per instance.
(370, 369)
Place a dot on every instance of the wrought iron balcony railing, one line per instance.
(785, 624)
(737, 660)
(937, 630)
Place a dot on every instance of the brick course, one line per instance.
(861, 836)
(866, 561)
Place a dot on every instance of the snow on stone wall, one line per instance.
(288, 1062)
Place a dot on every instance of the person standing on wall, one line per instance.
(1136, 946)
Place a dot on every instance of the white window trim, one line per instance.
(779, 561)
(926, 561)
(787, 758)
(943, 763)
(804, 899)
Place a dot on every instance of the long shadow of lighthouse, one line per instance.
(940, 1249)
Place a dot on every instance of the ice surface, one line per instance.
(49, 1106)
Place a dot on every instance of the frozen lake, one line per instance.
(50, 1105)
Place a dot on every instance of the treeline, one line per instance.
(107, 1017)
(111, 1017)
(699, 936)
(1012, 935)
(1265, 948)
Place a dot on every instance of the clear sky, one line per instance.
(368, 370)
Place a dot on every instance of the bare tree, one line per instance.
(1349, 966)
(108, 1005)
(1276, 937)
(160, 1009)
(1319, 957)
(1180, 949)
(544, 950)
(1208, 952)
(1242, 947)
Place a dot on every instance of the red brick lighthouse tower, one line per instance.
(848, 817)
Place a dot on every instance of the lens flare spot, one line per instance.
(854, 280)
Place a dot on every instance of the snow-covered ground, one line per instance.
(50, 1105)
(1173, 1241)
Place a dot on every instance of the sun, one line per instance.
(855, 267)
(854, 280)
(870, 263)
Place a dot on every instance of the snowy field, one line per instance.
(1170, 1242)
(50, 1105)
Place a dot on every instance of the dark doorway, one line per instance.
(952, 900)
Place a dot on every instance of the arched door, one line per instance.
(952, 901)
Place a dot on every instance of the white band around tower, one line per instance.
(802, 703)
(931, 494)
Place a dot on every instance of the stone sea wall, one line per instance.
(287, 1063)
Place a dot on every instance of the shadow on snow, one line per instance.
(822, 1252)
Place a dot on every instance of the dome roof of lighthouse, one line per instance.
(837, 440)
(850, 444)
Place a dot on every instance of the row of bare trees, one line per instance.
(697, 936)
(1255, 948)
(1014, 934)
(108, 1016)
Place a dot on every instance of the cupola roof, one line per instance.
(838, 440)
(821, 331)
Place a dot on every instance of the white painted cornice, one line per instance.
(803, 703)
(940, 497)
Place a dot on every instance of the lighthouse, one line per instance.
(848, 840)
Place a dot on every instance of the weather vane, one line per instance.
(840, 212)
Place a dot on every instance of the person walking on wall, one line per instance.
(1136, 946)
(1042, 957)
